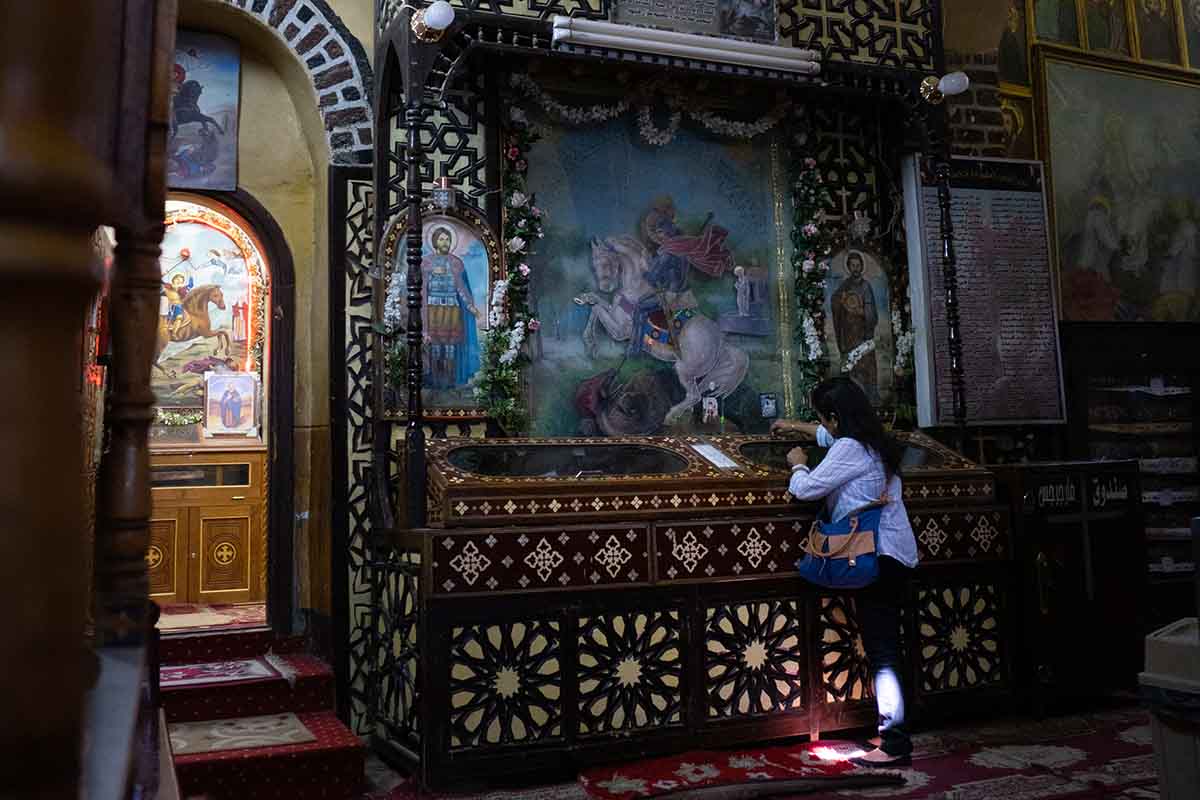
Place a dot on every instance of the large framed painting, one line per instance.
(460, 260)
(662, 282)
(202, 140)
(1121, 143)
(214, 296)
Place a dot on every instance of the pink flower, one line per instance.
(534, 325)
(513, 153)
(810, 163)
(521, 165)
(537, 212)
(524, 269)
(811, 230)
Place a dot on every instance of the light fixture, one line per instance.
(445, 196)
(570, 30)
(935, 90)
(430, 23)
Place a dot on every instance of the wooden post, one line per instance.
(54, 192)
(414, 439)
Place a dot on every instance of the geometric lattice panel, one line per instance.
(630, 669)
(960, 637)
(886, 33)
(505, 684)
(352, 193)
(754, 658)
(397, 650)
(845, 672)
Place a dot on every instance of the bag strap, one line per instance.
(856, 544)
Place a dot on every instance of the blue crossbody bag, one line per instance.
(844, 554)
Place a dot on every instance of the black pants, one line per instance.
(879, 607)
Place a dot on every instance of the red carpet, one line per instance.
(820, 765)
(1101, 756)
(330, 767)
(297, 682)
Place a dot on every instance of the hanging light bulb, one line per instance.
(935, 90)
(428, 24)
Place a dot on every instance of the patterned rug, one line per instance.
(1098, 756)
(806, 768)
(191, 738)
(215, 672)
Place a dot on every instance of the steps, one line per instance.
(235, 676)
(331, 768)
(299, 683)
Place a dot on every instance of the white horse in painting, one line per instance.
(698, 350)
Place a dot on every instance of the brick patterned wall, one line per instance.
(976, 125)
(337, 64)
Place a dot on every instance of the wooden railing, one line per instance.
(83, 125)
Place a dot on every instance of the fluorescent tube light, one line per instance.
(684, 45)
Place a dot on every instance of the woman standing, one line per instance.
(862, 467)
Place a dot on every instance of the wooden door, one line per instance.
(167, 557)
(226, 557)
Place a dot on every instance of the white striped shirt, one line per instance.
(850, 477)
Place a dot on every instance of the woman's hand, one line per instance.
(785, 426)
(797, 457)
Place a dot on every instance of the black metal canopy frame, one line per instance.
(420, 75)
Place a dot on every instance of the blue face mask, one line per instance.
(824, 437)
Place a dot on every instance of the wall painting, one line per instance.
(858, 320)
(202, 141)
(1123, 150)
(661, 283)
(212, 307)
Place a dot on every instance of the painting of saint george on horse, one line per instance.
(211, 293)
(202, 136)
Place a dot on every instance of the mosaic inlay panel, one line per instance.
(710, 549)
(527, 560)
(955, 535)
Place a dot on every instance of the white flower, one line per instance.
(738, 130)
(809, 265)
(652, 135)
(517, 199)
(857, 354)
(516, 244)
(812, 339)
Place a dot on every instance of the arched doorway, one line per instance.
(221, 457)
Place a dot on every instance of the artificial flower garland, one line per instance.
(857, 354)
(811, 246)
(650, 134)
(174, 419)
(510, 321)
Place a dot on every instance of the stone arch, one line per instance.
(336, 64)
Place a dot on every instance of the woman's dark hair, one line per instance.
(843, 399)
